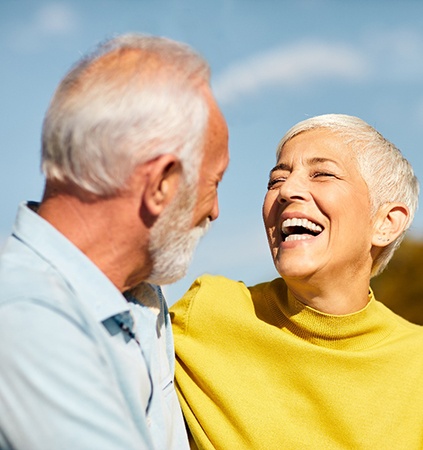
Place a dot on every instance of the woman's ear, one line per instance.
(162, 182)
(390, 222)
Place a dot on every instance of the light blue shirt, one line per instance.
(81, 367)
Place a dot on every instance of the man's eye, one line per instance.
(275, 182)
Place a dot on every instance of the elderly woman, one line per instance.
(311, 360)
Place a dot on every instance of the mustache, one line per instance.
(204, 226)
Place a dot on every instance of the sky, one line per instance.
(274, 63)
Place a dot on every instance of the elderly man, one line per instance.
(134, 147)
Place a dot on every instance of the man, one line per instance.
(134, 146)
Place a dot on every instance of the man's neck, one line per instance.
(106, 230)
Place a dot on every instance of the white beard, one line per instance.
(172, 242)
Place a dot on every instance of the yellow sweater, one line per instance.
(258, 370)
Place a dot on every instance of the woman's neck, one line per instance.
(334, 297)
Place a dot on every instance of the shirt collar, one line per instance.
(82, 276)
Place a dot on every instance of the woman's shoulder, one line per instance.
(208, 281)
(220, 287)
(214, 289)
(401, 325)
(217, 298)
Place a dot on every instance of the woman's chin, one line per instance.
(296, 266)
(293, 272)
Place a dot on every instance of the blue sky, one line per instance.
(274, 63)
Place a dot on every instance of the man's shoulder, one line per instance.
(44, 267)
(26, 278)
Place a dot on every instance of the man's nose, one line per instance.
(214, 214)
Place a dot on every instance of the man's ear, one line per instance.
(162, 181)
(391, 219)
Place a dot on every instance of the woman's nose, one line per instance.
(295, 187)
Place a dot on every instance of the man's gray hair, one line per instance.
(388, 175)
(135, 98)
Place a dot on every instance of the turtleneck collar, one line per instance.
(355, 331)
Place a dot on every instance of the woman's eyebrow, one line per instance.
(318, 160)
(280, 166)
(311, 162)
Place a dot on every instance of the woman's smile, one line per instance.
(298, 228)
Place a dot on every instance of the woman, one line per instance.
(311, 360)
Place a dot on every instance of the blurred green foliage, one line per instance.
(400, 285)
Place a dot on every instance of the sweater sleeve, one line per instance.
(203, 328)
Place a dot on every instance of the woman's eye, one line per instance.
(323, 174)
(275, 183)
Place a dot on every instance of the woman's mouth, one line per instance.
(296, 229)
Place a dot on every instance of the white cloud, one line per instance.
(55, 19)
(403, 42)
(393, 55)
(49, 21)
(396, 54)
(291, 65)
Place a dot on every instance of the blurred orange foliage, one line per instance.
(400, 285)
